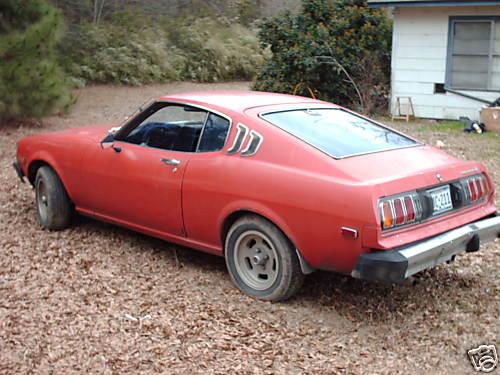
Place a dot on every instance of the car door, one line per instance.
(136, 180)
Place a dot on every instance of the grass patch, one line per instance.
(455, 127)
(428, 126)
(444, 126)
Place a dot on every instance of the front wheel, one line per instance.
(262, 262)
(53, 205)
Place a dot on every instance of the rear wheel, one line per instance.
(261, 260)
(54, 208)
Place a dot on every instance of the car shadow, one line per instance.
(356, 300)
(360, 300)
(182, 256)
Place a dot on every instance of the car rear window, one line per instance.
(337, 132)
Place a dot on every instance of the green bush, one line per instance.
(248, 11)
(31, 81)
(339, 48)
(136, 50)
(216, 50)
(109, 53)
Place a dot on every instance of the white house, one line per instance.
(445, 56)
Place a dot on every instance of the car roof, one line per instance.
(238, 100)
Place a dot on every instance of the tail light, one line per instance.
(412, 207)
(400, 210)
(475, 187)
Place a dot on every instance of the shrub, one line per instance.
(127, 51)
(217, 50)
(31, 81)
(110, 53)
(248, 11)
(337, 47)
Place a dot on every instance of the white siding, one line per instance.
(419, 54)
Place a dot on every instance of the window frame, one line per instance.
(491, 54)
(143, 114)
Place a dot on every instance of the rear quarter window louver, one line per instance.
(238, 140)
(253, 144)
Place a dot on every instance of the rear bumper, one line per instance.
(396, 265)
(19, 171)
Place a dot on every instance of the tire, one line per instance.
(261, 260)
(54, 208)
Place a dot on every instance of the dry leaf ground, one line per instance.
(99, 299)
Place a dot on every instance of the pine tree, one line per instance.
(31, 82)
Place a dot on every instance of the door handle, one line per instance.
(173, 162)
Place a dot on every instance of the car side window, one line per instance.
(214, 134)
(172, 127)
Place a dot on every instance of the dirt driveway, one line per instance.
(98, 299)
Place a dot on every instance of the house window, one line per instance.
(474, 54)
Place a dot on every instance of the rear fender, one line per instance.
(267, 213)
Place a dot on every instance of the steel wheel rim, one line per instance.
(256, 260)
(42, 199)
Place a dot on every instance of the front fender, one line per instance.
(47, 158)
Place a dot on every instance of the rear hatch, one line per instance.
(419, 186)
(408, 168)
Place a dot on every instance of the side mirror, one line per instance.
(109, 143)
(108, 140)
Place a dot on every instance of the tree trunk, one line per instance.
(98, 7)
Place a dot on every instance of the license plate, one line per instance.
(441, 199)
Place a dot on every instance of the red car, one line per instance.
(279, 185)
